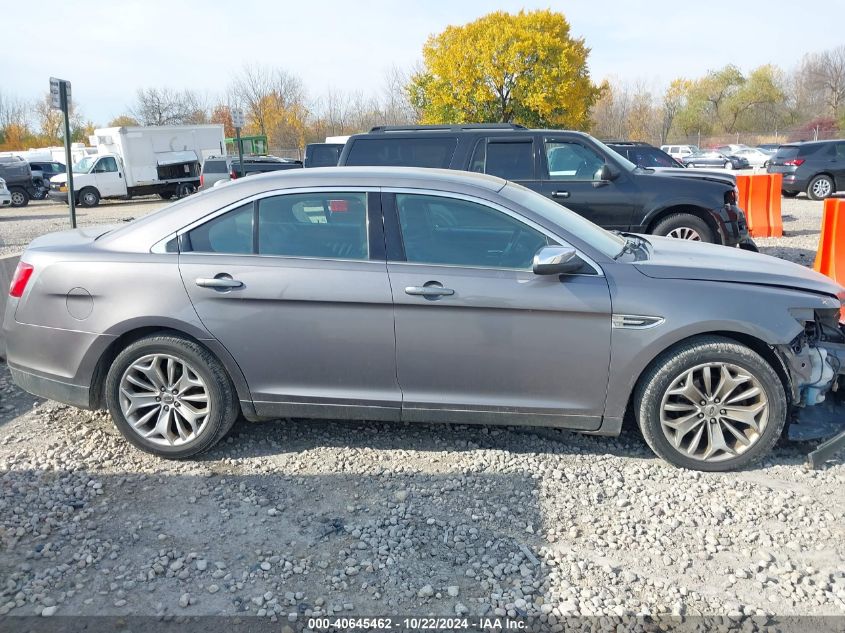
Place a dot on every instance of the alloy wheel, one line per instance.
(685, 233)
(17, 198)
(821, 188)
(714, 412)
(164, 399)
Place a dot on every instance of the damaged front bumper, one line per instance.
(816, 368)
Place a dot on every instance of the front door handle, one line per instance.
(560, 194)
(219, 282)
(429, 291)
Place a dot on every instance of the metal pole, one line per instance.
(71, 199)
(240, 149)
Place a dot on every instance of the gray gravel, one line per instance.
(294, 518)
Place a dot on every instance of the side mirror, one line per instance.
(606, 173)
(556, 260)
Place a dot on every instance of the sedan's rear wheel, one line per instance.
(729, 164)
(171, 397)
(711, 404)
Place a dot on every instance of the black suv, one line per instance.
(816, 167)
(18, 176)
(572, 168)
(322, 154)
(42, 171)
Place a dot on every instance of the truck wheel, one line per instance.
(820, 187)
(710, 404)
(20, 198)
(89, 197)
(185, 189)
(685, 226)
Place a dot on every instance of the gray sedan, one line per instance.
(419, 295)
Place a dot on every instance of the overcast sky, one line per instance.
(109, 49)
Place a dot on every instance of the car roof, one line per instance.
(141, 234)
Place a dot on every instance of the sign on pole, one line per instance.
(238, 122)
(238, 118)
(60, 100)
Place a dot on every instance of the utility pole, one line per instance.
(238, 122)
(60, 100)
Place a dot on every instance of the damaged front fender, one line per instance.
(815, 362)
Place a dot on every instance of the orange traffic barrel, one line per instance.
(830, 256)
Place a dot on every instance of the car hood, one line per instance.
(697, 174)
(680, 259)
(59, 179)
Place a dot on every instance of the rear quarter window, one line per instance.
(402, 152)
(215, 167)
(787, 151)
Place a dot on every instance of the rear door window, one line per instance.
(324, 225)
(402, 152)
(511, 160)
(786, 152)
(215, 167)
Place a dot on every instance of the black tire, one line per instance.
(20, 197)
(88, 197)
(165, 195)
(789, 194)
(822, 181)
(185, 189)
(667, 368)
(729, 165)
(221, 394)
(679, 223)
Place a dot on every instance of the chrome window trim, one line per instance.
(598, 272)
(271, 194)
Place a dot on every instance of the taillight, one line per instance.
(21, 277)
(795, 162)
(202, 180)
(233, 175)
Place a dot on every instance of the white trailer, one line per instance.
(137, 161)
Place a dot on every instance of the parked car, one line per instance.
(18, 176)
(5, 196)
(679, 151)
(714, 158)
(816, 167)
(219, 169)
(42, 171)
(456, 297)
(571, 168)
(644, 155)
(755, 157)
(769, 148)
(731, 148)
(322, 154)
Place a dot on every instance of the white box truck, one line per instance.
(140, 161)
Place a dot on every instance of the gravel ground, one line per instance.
(297, 517)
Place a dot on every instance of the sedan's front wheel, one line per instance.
(710, 404)
(170, 396)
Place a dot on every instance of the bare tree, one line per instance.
(163, 106)
(13, 111)
(263, 89)
(824, 74)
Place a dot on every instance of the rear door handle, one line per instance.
(429, 291)
(560, 194)
(218, 282)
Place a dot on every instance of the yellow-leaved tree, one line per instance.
(520, 68)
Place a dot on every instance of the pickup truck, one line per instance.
(572, 168)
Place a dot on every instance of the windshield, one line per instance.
(603, 241)
(85, 165)
(623, 162)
